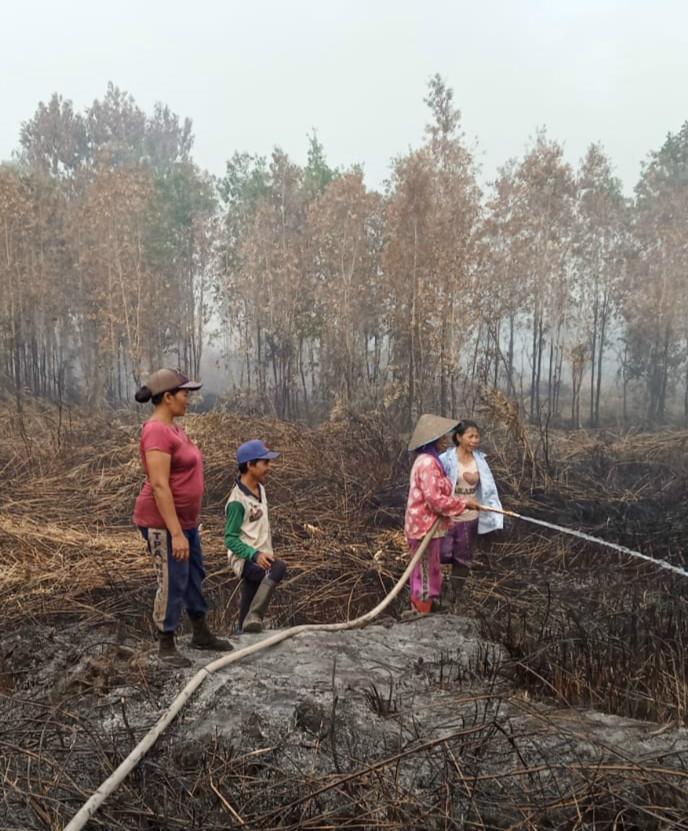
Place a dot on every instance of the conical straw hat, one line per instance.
(430, 428)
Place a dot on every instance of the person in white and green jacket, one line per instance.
(248, 538)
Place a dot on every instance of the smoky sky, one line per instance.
(252, 75)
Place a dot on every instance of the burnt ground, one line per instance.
(558, 699)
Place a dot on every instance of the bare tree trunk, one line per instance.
(685, 395)
(600, 358)
(311, 366)
(538, 370)
(533, 372)
(625, 385)
(593, 352)
(260, 368)
(303, 379)
(474, 362)
(495, 380)
(414, 319)
(247, 348)
(550, 379)
(443, 377)
(661, 410)
(511, 388)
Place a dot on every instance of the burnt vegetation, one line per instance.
(548, 305)
(318, 294)
(585, 631)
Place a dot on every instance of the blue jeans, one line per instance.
(180, 582)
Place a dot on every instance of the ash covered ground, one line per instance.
(557, 699)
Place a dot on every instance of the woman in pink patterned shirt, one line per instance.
(431, 495)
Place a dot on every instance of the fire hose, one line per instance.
(132, 760)
(116, 778)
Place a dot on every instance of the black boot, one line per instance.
(168, 651)
(445, 603)
(458, 581)
(203, 638)
(253, 622)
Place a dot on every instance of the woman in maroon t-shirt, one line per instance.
(167, 512)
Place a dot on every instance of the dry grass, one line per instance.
(65, 521)
(583, 627)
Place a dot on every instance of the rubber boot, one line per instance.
(253, 622)
(458, 581)
(167, 651)
(203, 638)
(445, 603)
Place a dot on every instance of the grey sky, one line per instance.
(253, 74)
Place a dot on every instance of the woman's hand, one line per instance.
(159, 465)
(472, 505)
(264, 559)
(180, 546)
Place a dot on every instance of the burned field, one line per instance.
(558, 700)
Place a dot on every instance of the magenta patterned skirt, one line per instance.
(426, 577)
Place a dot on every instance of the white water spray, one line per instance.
(589, 538)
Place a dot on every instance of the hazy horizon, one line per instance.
(252, 77)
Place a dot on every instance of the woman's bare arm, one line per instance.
(159, 464)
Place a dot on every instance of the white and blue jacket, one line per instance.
(486, 493)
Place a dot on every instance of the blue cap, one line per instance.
(252, 450)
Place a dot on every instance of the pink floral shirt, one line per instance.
(430, 496)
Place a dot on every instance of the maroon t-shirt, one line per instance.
(186, 476)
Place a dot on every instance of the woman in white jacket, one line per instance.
(471, 477)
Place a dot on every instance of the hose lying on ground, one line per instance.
(137, 754)
(113, 781)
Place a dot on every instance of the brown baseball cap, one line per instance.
(166, 380)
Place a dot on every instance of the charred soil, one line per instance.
(558, 699)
